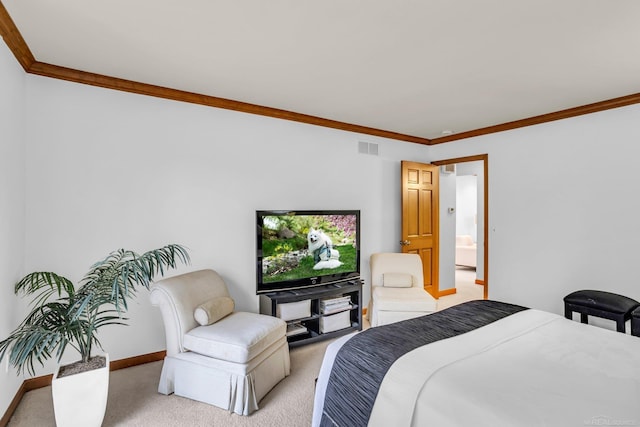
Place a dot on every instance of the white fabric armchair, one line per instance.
(225, 358)
(397, 289)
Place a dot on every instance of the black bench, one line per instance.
(600, 304)
(635, 322)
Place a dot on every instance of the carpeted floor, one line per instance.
(134, 400)
(466, 288)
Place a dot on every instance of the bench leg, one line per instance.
(620, 325)
(635, 327)
(584, 318)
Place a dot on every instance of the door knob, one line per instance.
(405, 242)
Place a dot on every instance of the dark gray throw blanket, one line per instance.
(364, 360)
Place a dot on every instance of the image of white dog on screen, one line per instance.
(320, 245)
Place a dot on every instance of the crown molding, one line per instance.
(544, 118)
(21, 51)
(14, 40)
(69, 74)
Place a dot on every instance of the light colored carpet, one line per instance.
(466, 289)
(134, 400)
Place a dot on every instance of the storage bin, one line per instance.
(335, 322)
(294, 310)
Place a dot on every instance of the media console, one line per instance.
(319, 312)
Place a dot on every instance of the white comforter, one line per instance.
(530, 369)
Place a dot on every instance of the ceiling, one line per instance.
(415, 68)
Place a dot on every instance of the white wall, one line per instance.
(476, 168)
(467, 203)
(109, 169)
(563, 206)
(447, 231)
(12, 223)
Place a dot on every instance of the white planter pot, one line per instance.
(81, 399)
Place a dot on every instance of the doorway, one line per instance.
(473, 226)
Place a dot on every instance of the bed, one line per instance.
(481, 363)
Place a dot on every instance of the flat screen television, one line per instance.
(299, 249)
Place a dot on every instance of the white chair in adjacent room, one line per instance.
(397, 289)
(216, 355)
(466, 251)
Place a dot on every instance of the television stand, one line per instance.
(319, 312)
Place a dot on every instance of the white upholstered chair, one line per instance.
(397, 289)
(466, 251)
(231, 363)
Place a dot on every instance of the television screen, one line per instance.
(298, 249)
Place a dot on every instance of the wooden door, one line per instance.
(420, 218)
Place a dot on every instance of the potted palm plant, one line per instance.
(63, 315)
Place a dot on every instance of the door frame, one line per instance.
(485, 159)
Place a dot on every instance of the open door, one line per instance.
(420, 218)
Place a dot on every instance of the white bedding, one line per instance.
(530, 368)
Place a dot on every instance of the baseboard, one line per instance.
(13, 406)
(480, 282)
(137, 360)
(445, 292)
(45, 380)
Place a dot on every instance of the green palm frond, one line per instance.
(44, 332)
(44, 284)
(74, 318)
(122, 270)
(31, 343)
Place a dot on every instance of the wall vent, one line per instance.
(367, 148)
(448, 169)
